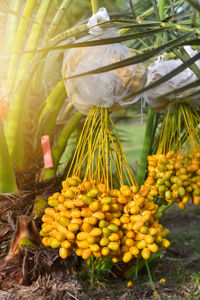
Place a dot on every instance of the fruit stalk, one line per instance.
(146, 146)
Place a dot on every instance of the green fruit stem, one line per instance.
(33, 39)
(147, 145)
(132, 271)
(7, 178)
(19, 43)
(94, 4)
(60, 144)
(12, 22)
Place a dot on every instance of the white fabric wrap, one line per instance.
(159, 69)
(101, 15)
(104, 89)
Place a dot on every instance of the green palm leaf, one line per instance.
(107, 41)
(194, 4)
(138, 58)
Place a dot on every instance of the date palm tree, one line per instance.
(38, 33)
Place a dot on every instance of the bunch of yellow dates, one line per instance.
(175, 177)
(89, 219)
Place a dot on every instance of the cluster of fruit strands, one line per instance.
(90, 216)
(174, 175)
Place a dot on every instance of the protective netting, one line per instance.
(161, 68)
(104, 89)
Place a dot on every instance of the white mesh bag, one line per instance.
(104, 89)
(159, 69)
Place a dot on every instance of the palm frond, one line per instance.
(195, 4)
(138, 58)
(103, 41)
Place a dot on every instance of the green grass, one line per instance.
(188, 238)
